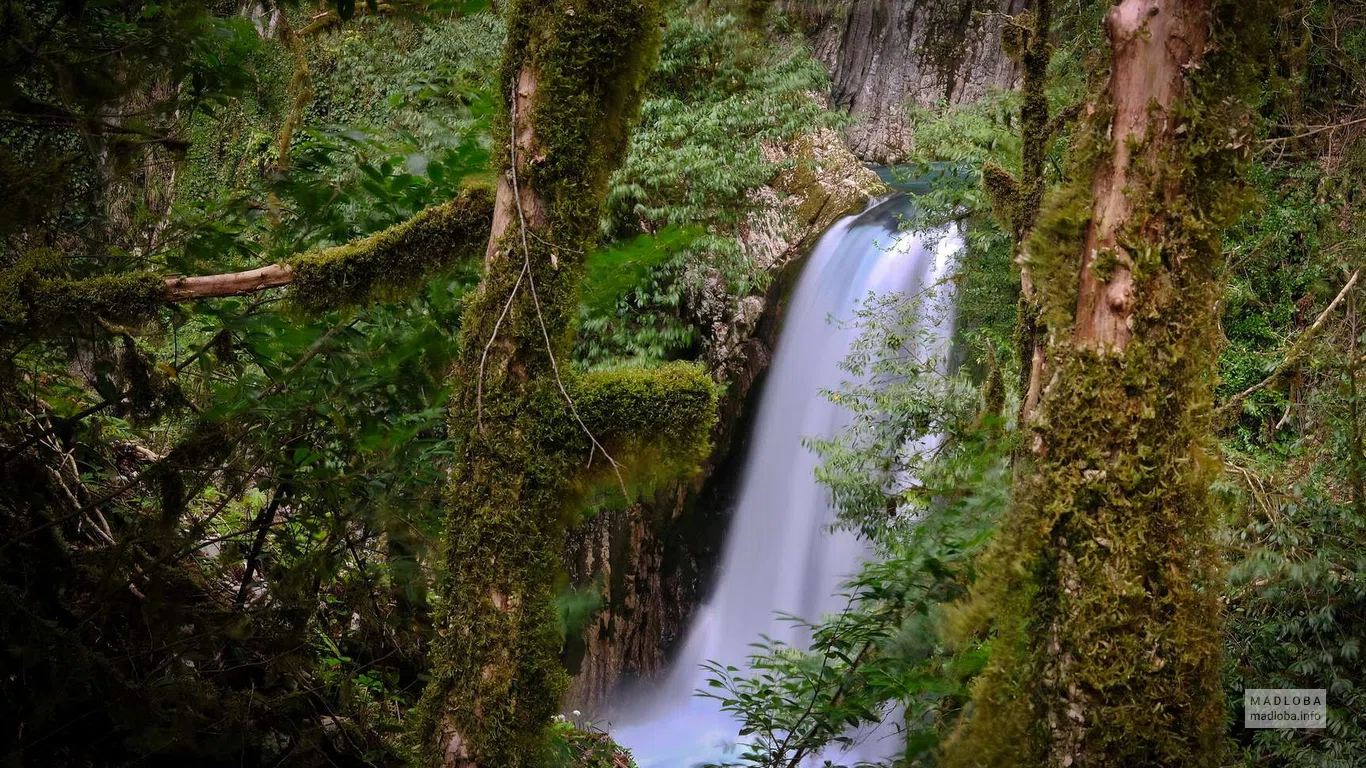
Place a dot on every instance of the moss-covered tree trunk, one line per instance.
(1103, 578)
(1017, 202)
(572, 73)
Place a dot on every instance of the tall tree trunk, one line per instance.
(1017, 202)
(572, 73)
(1103, 578)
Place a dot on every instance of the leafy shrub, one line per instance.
(696, 160)
(929, 506)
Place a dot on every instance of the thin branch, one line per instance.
(483, 360)
(100, 406)
(1297, 350)
(180, 289)
(1317, 129)
(161, 464)
(262, 524)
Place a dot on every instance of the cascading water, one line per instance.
(780, 556)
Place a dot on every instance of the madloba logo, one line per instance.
(1285, 708)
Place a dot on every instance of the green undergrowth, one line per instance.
(1278, 278)
(718, 94)
(1295, 485)
(572, 746)
(418, 83)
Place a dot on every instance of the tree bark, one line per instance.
(1152, 41)
(180, 289)
(1104, 574)
(573, 73)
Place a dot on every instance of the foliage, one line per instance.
(718, 94)
(715, 99)
(90, 90)
(901, 398)
(230, 504)
(614, 271)
(400, 76)
(922, 472)
(1294, 485)
(1277, 270)
(575, 746)
(1297, 603)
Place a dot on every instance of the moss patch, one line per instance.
(385, 263)
(1105, 573)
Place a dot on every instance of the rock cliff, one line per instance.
(886, 56)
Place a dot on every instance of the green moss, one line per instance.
(496, 675)
(1003, 190)
(590, 80)
(806, 179)
(1105, 573)
(377, 267)
(1053, 248)
(131, 299)
(18, 280)
(655, 422)
(993, 389)
(1034, 30)
(385, 263)
(1103, 264)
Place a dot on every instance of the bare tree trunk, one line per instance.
(1104, 575)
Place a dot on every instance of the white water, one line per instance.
(780, 556)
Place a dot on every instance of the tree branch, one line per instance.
(262, 525)
(373, 267)
(1297, 350)
(180, 289)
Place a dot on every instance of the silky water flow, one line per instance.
(780, 556)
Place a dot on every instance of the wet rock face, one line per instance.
(653, 561)
(822, 182)
(886, 56)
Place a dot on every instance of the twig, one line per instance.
(133, 482)
(483, 361)
(1316, 130)
(100, 406)
(1297, 349)
(263, 523)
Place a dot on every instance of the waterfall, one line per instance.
(780, 556)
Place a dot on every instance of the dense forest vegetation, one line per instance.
(376, 378)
